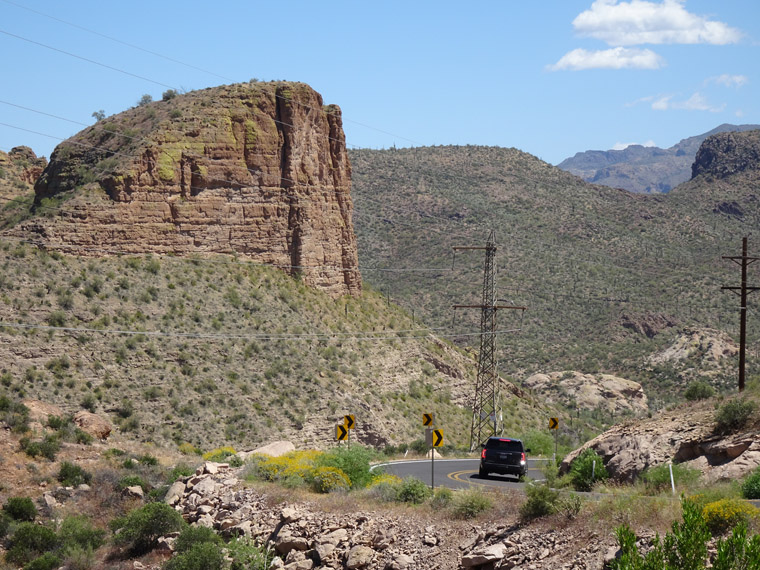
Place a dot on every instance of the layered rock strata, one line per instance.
(255, 169)
(685, 435)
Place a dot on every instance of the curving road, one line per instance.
(457, 473)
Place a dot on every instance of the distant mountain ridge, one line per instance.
(640, 169)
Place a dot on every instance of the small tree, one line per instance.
(587, 468)
(699, 390)
(99, 115)
(144, 100)
(169, 94)
(140, 529)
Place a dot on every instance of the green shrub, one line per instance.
(721, 516)
(148, 460)
(78, 531)
(385, 491)
(82, 437)
(657, 479)
(219, 454)
(195, 535)
(189, 449)
(353, 461)
(470, 503)
(699, 390)
(733, 415)
(413, 490)
(72, 475)
(47, 561)
(684, 547)
(57, 422)
(140, 529)
(541, 501)
(5, 524)
(47, 447)
(30, 541)
(586, 469)
(630, 559)
(539, 442)
(179, 471)
(14, 414)
(442, 498)
(202, 556)
(751, 485)
(330, 479)
(20, 509)
(247, 555)
(737, 552)
(79, 558)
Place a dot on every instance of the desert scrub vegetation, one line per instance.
(587, 469)
(657, 479)
(339, 469)
(734, 415)
(43, 546)
(685, 546)
(270, 360)
(751, 485)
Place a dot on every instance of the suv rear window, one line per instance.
(504, 444)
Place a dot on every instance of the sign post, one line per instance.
(554, 425)
(348, 424)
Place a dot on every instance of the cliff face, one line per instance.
(19, 169)
(255, 169)
(728, 153)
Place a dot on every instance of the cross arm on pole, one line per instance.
(489, 307)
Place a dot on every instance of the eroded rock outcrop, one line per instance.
(683, 435)
(255, 169)
(19, 169)
(725, 154)
(590, 391)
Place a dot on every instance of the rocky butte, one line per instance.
(256, 169)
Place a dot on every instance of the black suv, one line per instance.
(504, 456)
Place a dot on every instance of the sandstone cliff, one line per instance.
(19, 169)
(254, 169)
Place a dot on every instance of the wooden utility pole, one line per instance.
(486, 406)
(744, 260)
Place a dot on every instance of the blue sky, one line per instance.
(551, 78)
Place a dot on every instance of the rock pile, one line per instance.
(507, 547)
(306, 538)
(303, 538)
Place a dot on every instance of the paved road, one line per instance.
(457, 473)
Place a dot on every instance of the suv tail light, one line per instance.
(522, 458)
(483, 454)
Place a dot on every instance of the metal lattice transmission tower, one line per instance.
(487, 419)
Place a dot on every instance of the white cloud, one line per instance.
(739, 113)
(728, 80)
(643, 22)
(615, 58)
(697, 102)
(623, 146)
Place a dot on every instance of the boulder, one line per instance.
(274, 449)
(485, 555)
(92, 424)
(359, 556)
